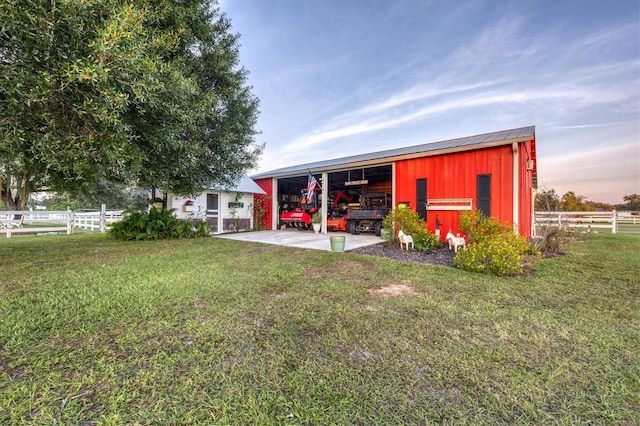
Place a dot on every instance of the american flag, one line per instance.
(311, 186)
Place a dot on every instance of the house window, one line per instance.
(236, 205)
(484, 194)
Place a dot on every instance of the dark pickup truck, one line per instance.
(368, 218)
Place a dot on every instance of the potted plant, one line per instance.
(316, 221)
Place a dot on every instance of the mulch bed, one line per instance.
(440, 256)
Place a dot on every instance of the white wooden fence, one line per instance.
(96, 221)
(615, 221)
(45, 221)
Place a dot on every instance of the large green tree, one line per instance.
(148, 92)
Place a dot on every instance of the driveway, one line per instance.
(303, 239)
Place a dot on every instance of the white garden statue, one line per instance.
(455, 242)
(405, 240)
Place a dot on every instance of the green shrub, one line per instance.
(411, 223)
(155, 225)
(494, 248)
(550, 239)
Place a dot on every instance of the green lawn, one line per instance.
(212, 331)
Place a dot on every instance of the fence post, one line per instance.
(69, 221)
(614, 222)
(103, 218)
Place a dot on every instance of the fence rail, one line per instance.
(96, 221)
(44, 221)
(616, 221)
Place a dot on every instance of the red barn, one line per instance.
(493, 172)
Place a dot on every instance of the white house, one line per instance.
(226, 209)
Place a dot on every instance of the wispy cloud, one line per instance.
(420, 93)
(610, 36)
(386, 115)
(497, 68)
(588, 126)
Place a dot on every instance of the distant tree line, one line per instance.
(547, 200)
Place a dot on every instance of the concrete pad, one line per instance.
(303, 239)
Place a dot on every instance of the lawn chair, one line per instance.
(4, 220)
(12, 221)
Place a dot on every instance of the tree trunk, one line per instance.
(9, 202)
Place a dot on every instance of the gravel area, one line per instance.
(441, 256)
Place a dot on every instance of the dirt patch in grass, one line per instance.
(395, 290)
(345, 269)
(349, 265)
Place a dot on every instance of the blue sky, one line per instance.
(346, 77)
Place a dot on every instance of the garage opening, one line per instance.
(344, 189)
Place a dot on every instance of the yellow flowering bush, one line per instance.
(494, 248)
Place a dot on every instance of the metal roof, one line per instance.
(485, 140)
(245, 184)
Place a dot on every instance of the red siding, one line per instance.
(267, 185)
(455, 176)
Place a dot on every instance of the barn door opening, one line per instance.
(421, 198)
(213, 211)
(484, 194)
